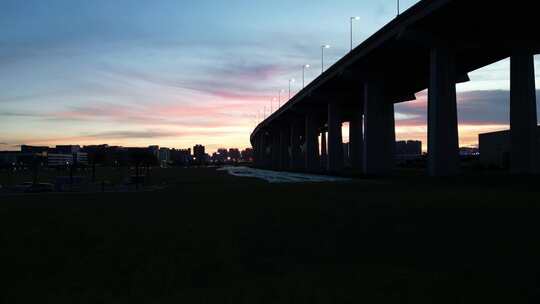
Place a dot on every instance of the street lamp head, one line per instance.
(355, 18)
(292, 80)
(325, 46)
(307, 66)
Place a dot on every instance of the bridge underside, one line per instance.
(433, 46)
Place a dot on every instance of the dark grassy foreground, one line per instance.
(213, 238)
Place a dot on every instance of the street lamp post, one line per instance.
(352, 19)
(398, 7)
(290, 81)
(274, 100)
(324, 46)
(304, 67)
(279, 97)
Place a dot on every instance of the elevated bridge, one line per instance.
(433, 45)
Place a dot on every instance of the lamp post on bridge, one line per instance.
(352, 19)
(398, 7)
(304, 67)
(324, 46)
(273, 100)
(290, 81)
(279, 96)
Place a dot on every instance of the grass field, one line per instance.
(113, 176)
(213, 238)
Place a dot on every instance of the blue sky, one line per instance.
(178, 73)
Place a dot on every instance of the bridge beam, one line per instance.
(443, 145)
(296, 162)
(311, 143)
(284, 141)
(335, 161)
(523, 117)
(379, 140)
(356, 137)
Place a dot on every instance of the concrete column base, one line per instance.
(275, 149)
(356, 138)
(311, 144)
(266, 157)
(380, 137)
(296, 161)
(335, 161)
(284, 141)
(324, 150)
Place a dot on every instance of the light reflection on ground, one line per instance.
(280, 177)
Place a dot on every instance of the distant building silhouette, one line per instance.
(106, 155)
(34, 149)
(408, 148)
(59, 160)
(181, 157)
(199, 154)
(494, 148)
(408, 151)
(247, 155)
(154, 150)
(59, 156)
(164, 156)
(117, 156)
(221, 155)
(234, 154)
(67, 149)
(9, 158)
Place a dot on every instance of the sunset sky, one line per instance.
(178, 73)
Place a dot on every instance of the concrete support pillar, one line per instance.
(324, 150)
(257, 155)
(264, 159)
(296, 162)
(311, 143)
(335, 160)
(284, 141)
(275, 149)
(379, 133)
(523, 120)
(443, 145)
(356, 138)
(255, 151)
